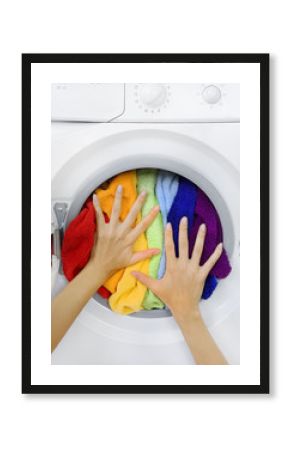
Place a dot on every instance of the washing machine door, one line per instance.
(183, 154)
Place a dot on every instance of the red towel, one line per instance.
(78, 242)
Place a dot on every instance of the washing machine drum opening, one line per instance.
(177, 196)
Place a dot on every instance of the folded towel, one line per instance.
(166, 190)
(78, 242)
(206, 213)
(106, 196)
(146, 180)
(184, 205)
(130, 292)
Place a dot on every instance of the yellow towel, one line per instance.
(130, 293)
(106, 196)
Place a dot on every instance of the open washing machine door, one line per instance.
(143, 338)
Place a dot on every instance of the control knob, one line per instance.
(153, 95)
(211, 94)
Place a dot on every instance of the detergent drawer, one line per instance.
(92, 102)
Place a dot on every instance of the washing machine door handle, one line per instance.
(58, 215)
(59, 212)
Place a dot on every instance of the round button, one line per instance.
(153, 95)
(211, 94)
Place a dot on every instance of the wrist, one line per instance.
(188, 318)
(96, 276)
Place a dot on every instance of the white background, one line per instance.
(168, 421)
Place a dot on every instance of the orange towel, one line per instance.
(106, 196)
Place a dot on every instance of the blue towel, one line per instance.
(184, 205)
(166, 190)
(210, 285)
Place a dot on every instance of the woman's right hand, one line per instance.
(182, 285)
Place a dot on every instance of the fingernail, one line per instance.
(156, 208)
(220, 246)
(119, 188)
(202, 227)
(95, 199)
(133, 273)
(168, 226)
(184, 220)
(143, 193)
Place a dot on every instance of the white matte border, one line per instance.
(248, 76)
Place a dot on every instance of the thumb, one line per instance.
(144, 254)
(144, 279)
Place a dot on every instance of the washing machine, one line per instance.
(99, 130)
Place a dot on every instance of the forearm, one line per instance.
(199, 340)
(67, 305)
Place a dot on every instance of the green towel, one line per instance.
(146, 180)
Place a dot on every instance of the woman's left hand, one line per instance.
(113, 248)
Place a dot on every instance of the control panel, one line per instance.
(146, 102)
(181, 103)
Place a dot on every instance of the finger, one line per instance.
(99, 213)
(198, 246)
(144, 224)
(169, 245)
(149, 282)
(115, 215)
(140, 256)
(183, 239)
(136, 208)
(208, 265)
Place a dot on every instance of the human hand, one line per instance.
(113, 248)
(182, 285)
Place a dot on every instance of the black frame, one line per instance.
(263, 60)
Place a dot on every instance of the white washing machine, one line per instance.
(99, 130)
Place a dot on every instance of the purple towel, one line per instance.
(206, 213)
(184, 204)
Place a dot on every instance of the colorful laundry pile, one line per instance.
(177, 197)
